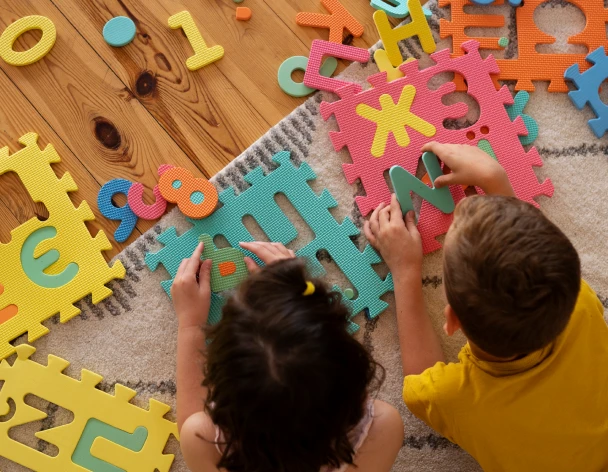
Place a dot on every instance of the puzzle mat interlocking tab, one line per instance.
(530, 65)
(67, 245)
(258, 201)
(588, 85)
(494, 125)
(26, 377)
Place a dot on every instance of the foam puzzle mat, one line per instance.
(49, 265)
(108, 434)
(530, 65)
(494, 125)
(259, 202)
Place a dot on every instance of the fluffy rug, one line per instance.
(131, 337)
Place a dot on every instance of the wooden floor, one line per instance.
(120, 112)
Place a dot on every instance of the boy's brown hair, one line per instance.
(511, 276)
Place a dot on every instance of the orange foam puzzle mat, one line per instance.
(530, 65)
(48, 265)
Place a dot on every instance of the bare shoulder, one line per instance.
(387, 424)
(197, 442)
(385, 438)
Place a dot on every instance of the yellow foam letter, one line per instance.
(16, 29)
(417, 27)
(203, 55)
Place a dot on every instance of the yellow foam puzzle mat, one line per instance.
(108, 432)
(16, 29)
(48, 265)
(203, 55)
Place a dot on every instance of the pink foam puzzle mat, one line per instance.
(358, 133)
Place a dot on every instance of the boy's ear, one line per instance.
(452, 323)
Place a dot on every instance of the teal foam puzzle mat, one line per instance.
(258, 201)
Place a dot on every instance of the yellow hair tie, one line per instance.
(310, 289)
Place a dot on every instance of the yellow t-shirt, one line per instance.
(546, 412)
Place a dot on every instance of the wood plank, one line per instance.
(18, 117)
(205, 113)
(90, 109)
(8, 221)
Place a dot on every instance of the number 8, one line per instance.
(195, 197)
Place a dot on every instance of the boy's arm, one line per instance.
(191, 300)
(401, 247)
(470, 166)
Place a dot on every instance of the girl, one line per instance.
(282, 387)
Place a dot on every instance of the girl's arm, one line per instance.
(191, 300)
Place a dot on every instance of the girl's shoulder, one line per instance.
(382, 442)
(197, 439)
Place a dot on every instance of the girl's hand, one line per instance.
(192, 297)
(398, 241)
(267, 252)
(472, 167)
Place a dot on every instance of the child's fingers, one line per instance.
(374, 222)
(251, 265)
(442, 151)
(385, 214)
(395, 209)
(368, 233)
(181, 268)
(262, 250)
(204, 274)
(194, 262)
(410, 223)
(445, 180)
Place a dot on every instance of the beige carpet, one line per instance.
(130, 338)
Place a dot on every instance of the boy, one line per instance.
(530, 390)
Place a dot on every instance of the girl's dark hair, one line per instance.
(286, 381)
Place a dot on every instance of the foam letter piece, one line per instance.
(243, 13)
(338, 21)
(384, 65)
(258, 201)
(96, 413)
(119, 31)
(320, 48)
(419, 27)
(404, 183)
(195, 197)
(16, 29)
(517, 109)
(358, 134)
(124, 214)
(203, 55)
(228, 268)
(295, 89)
(34, 267)
(394, 119)
(588, 85)
(73, 242)
(530, 65)
(400, 10)
(140, 209)
(98, 429)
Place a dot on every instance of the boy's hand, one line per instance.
(192, 297)
(267, 253)
(470, 166)
(397, 240)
